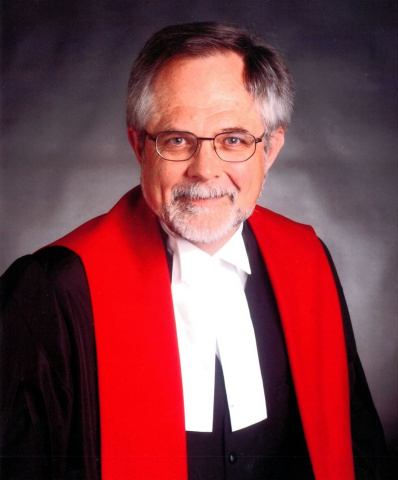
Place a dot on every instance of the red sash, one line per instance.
(309, 307)
(141, 401)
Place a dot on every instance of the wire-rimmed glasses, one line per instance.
(234, 146)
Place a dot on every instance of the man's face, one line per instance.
(204, 96)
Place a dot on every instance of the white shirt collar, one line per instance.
(189, 255)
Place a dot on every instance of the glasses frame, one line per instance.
(200, 139)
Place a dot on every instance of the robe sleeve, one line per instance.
(49, 400)
(369, 448)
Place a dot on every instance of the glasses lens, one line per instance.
(235, 146)
(176, 146)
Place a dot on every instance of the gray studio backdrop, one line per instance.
(65, 157)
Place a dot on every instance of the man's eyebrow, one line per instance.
(168, 127)
(234, 129)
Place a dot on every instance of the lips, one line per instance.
(202, 192)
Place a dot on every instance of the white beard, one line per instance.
(203, 224)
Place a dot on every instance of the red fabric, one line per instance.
(311, 319)
(137, 350)
(141, 400)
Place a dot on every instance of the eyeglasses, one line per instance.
(181, 146)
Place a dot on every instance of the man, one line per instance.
(188, 333)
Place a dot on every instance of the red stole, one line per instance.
(141, 402)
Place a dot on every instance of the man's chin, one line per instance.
(201, 235)
(203, 228)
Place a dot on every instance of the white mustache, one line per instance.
(201, 191)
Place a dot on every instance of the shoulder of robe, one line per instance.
(266, 218)
(37, 295)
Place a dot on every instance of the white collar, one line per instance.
(190, 256)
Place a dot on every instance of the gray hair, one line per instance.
(266, 74)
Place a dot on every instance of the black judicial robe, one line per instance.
(49, 402)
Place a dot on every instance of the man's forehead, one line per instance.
(197, 73)
(203, 89)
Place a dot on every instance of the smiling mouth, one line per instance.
(199, 193)
(210, 201)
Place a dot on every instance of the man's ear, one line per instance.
(276, 142)
(136, 143)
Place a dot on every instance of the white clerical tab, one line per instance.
(212, 315)
(237, 348)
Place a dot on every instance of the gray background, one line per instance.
(65, 156)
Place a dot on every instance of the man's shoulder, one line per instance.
(42, 271)
(284, 239)
(268, 219)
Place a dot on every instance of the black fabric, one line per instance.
(274, 448)
(49, 401)
(369, 449)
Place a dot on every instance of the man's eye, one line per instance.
(176, 141)
(231, 141)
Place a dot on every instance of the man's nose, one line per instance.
(205, 164)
